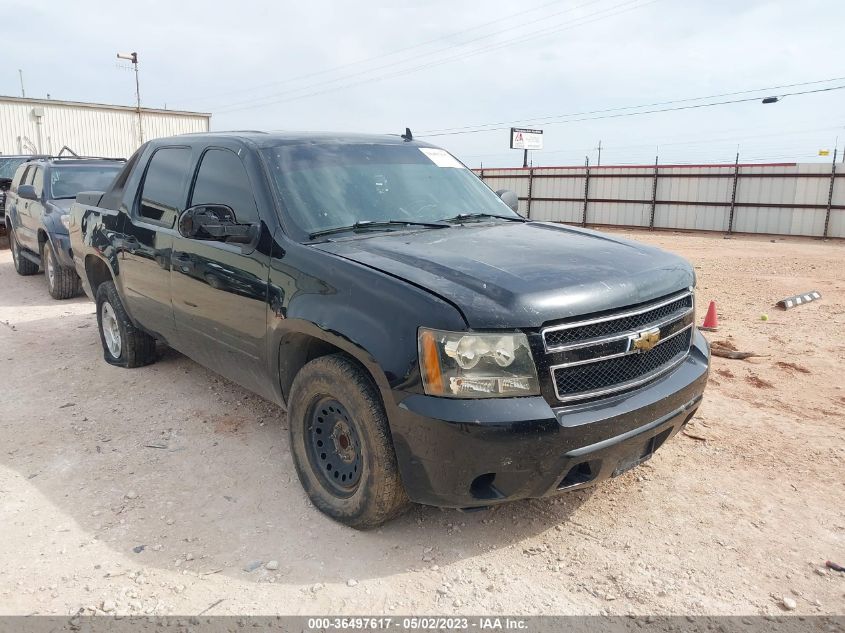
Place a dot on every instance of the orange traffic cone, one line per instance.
(711, 321)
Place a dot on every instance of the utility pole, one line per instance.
(598, 163)
(23, 92)
(133, 57)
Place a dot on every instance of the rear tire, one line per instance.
(62, 283)
(22, 265)
(124, 345)
(341, 445)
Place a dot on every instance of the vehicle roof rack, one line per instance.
(83, 158)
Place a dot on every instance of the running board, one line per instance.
(35, 259)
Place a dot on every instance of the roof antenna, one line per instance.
(407, 136)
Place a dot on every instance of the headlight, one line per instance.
(65, 218)
(466, 365)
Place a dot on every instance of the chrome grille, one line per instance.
(559, 336)
(583, 381)
(607, 354)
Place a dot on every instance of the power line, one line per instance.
(642, 112)
(533, 35)
(281, 97)
(645, 105)
(448, 36)
(311, 75)
(698, 145)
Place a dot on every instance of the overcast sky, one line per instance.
(381, 66)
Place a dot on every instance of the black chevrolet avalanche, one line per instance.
(428, 342)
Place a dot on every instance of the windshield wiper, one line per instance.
(472, 216)
(376, 224)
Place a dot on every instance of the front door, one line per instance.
(145, 241)
(219, 289)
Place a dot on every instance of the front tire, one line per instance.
(124, 345)
(341, 445)
(22, 265)
(62, 283)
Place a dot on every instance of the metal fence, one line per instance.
(776, 199)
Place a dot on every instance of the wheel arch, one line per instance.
(297, 346)
(97, 271)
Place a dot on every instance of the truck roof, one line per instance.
(276, 138)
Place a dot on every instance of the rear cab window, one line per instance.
(163, 191)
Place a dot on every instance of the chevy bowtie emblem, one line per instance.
(645, 341)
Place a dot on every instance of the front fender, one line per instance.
(12, 220)
(368, 314)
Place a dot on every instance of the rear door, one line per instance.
(219, 289)
(34, 209)
(13, 200)
(146, 241)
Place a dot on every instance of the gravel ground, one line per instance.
(168, 490)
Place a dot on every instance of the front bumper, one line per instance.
(471, 453)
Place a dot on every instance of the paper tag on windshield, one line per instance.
(440, 157)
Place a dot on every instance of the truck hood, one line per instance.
(503, 275)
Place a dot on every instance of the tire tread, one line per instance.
(386, 498)
(138, 347)
(67, 283)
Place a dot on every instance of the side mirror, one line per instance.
(509, 198)
(28, 192)
(214, 222)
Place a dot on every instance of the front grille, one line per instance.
(617, 373)
(610, 353)
(606, 326)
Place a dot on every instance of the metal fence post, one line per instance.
(733, 195)
(830, 194)
(653, 195)
(530, 185)
(586, 190)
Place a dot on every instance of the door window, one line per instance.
(38, 181)
(222, 179)
(24, 175)
(163, 191)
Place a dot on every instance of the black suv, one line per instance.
(8, 165)
(37, 203)
(428, 342)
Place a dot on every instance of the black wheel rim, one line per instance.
(334, 446)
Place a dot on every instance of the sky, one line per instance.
(578, 69)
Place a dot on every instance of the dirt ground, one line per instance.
(168, 490)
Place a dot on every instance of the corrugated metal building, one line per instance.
(30, 126)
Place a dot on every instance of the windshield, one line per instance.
(67, 181)
(8, 166)
(325, 186)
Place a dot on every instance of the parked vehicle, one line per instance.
(428, 342)
(8, 166)
(40, 195)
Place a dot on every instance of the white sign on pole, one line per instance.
(522, 138)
